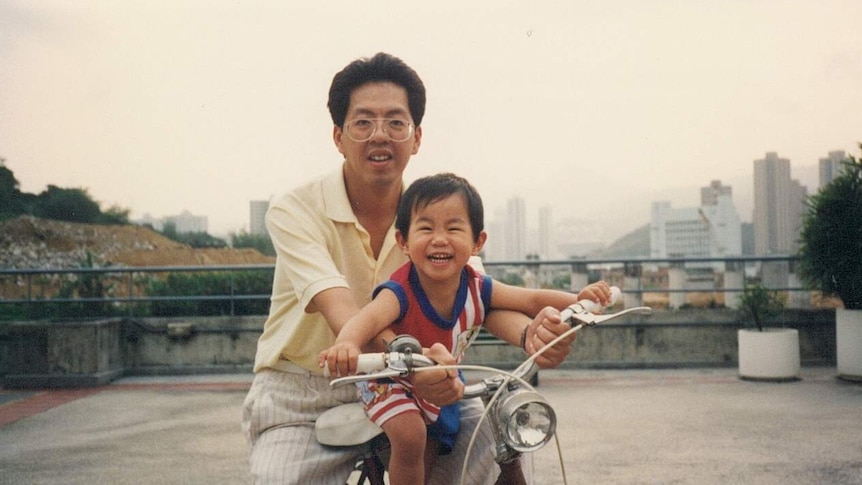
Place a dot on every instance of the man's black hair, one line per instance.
(380, 68)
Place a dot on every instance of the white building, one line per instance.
(149, 220)
(712, 230)
(515, 230)
(546, 245)
(186, 222)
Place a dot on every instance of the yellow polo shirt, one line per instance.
(319, 245)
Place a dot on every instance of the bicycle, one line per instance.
(521, 419)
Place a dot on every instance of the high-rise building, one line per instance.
(546, 241)
(712, 230)
(515, 229)
(495, 247)
(831, 167)
(709, 195)
(779, 204)
(257, 217)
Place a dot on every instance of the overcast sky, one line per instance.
(596, 108)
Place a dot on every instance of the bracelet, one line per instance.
(524, 338)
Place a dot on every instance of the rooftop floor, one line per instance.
(683, 426)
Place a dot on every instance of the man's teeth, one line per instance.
(380, 158)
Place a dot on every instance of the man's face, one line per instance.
(379, 160)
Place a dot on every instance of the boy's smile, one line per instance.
(440, 240)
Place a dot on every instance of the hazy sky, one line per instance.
(596, 108)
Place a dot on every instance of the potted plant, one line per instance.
(831, 259)
(765, 353)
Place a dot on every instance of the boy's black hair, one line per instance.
(380, 68)
(433, 188)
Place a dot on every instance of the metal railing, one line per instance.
(130, 287)
(130, 290)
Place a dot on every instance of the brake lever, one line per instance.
(590, 319)
(384, 374)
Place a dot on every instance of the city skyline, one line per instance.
(593, 109)
(529, 220)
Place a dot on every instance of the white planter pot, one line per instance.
(770, 355)
(848, 341)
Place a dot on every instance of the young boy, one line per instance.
(438, 298)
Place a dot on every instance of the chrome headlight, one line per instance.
(526, 420)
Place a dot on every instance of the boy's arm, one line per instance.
(359, 331)
(532, 301)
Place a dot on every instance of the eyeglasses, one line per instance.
(363, 129)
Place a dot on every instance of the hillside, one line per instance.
(28, 242)
(635, 244)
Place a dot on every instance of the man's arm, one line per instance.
(337, 305)
(532, 334)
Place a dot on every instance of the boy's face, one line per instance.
(440, 240)
(379, 160)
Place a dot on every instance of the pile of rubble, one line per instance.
(27, 242)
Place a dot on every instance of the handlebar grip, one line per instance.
(365, 364)
(589, 306)
(592, 307)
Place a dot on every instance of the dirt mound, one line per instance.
(28, 242)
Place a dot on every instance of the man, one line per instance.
(335, 241)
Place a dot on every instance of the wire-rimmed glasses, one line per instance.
(363, 129)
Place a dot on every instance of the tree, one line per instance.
(261, 242)
(758, 305)
(114, 215)
(831, 238)
(73, 205)
(8, 190)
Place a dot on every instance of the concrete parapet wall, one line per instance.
(60, 354)
(75, 354)
(677, 338)
(191, 345)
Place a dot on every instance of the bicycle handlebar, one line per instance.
(391, 364)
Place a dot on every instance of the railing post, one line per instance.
(734, 279)
(796, 298)
(632, 289)
(675, 283)
(579, 278)
(129, 302)
(230, 278)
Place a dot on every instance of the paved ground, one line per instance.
(616, 427)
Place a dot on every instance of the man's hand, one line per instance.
(439, 387)
(545, 328)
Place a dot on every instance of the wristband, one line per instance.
(524, 338)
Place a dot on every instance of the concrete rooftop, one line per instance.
(681, 426)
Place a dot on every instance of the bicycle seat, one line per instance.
(345, 425)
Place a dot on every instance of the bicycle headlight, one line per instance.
(527, 420)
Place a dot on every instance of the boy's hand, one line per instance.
(341, 359)
(599, 292)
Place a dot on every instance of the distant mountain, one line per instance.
(633, 245)
(636, 244)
